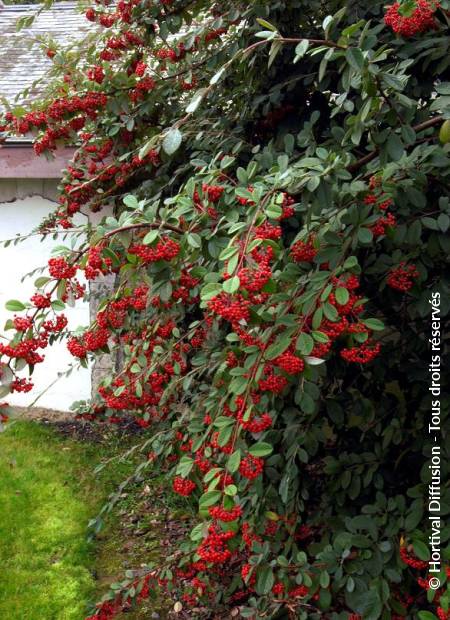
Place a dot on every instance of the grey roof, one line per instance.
(22, 59)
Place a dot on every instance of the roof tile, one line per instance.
(22, 61)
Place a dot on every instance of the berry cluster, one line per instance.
(213, 548)
(96, 74)
(362, 354)
(21, 385)
(93, 340)
(272, 383)
(251, 467)
(21, 324)
(183, 487)
(231, 308)
(382, 224)
(254, 422)
(166, 249)
(213, 192)
(298, 592)
(402, 277)
(287, 208)
(278, 589)
(221, 514)
(268, 231)
(290, 363)
(60, 269)
(420, 20)
(303, 251)
(409, 559)
(248, 575)
(253, 280)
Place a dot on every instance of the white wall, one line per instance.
(21, 216)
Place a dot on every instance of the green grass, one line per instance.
(48, 492)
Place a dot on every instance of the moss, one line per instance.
(124, 548)
(48, 493)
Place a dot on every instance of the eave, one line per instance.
(18, 161)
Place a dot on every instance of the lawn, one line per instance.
(48, 492)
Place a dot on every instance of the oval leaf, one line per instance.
(14, 305)
(172, 141)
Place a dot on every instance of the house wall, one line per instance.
(23, 205)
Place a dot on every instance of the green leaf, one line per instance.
(185, 466)
(266, 24)
(374, 324)
(443, 222)
(61, 290)
(216, 77)
(261, 449)
(209, 499)
(305, 344)
(324, 579)
(426, 615)
(326, 292)
(14, 305)
(210, 290)
(275, 48)
(342, 295)
(42, 281)
(278, 347)
(227, 253)
(223, 421)
(368, 604)
(195, 101)
(421, 550)
(6, 376)
(4, 391)
(301, 50)
(317, 317)
(211, 474)
(238, 385)
(330, 312)
(233, 263)
(355, 58)
(274, 211)
(131, 201)
(57, 304)
(150, 237)
(365, 236)
(395, 147)
(320, 336)
(351, 262)
(234, 461)
(314, 361)
(443, 88)
(172, 141)
(194, 240)
(231, 490)
(224, 435)
(150, 144)
(266, 34)
(265, 580)
(231, 285)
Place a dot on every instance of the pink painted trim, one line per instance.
(20, 162)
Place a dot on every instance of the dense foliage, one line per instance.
(278, 178)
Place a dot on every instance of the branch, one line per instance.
(325, 42)
(355, 166)
(153, 226)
